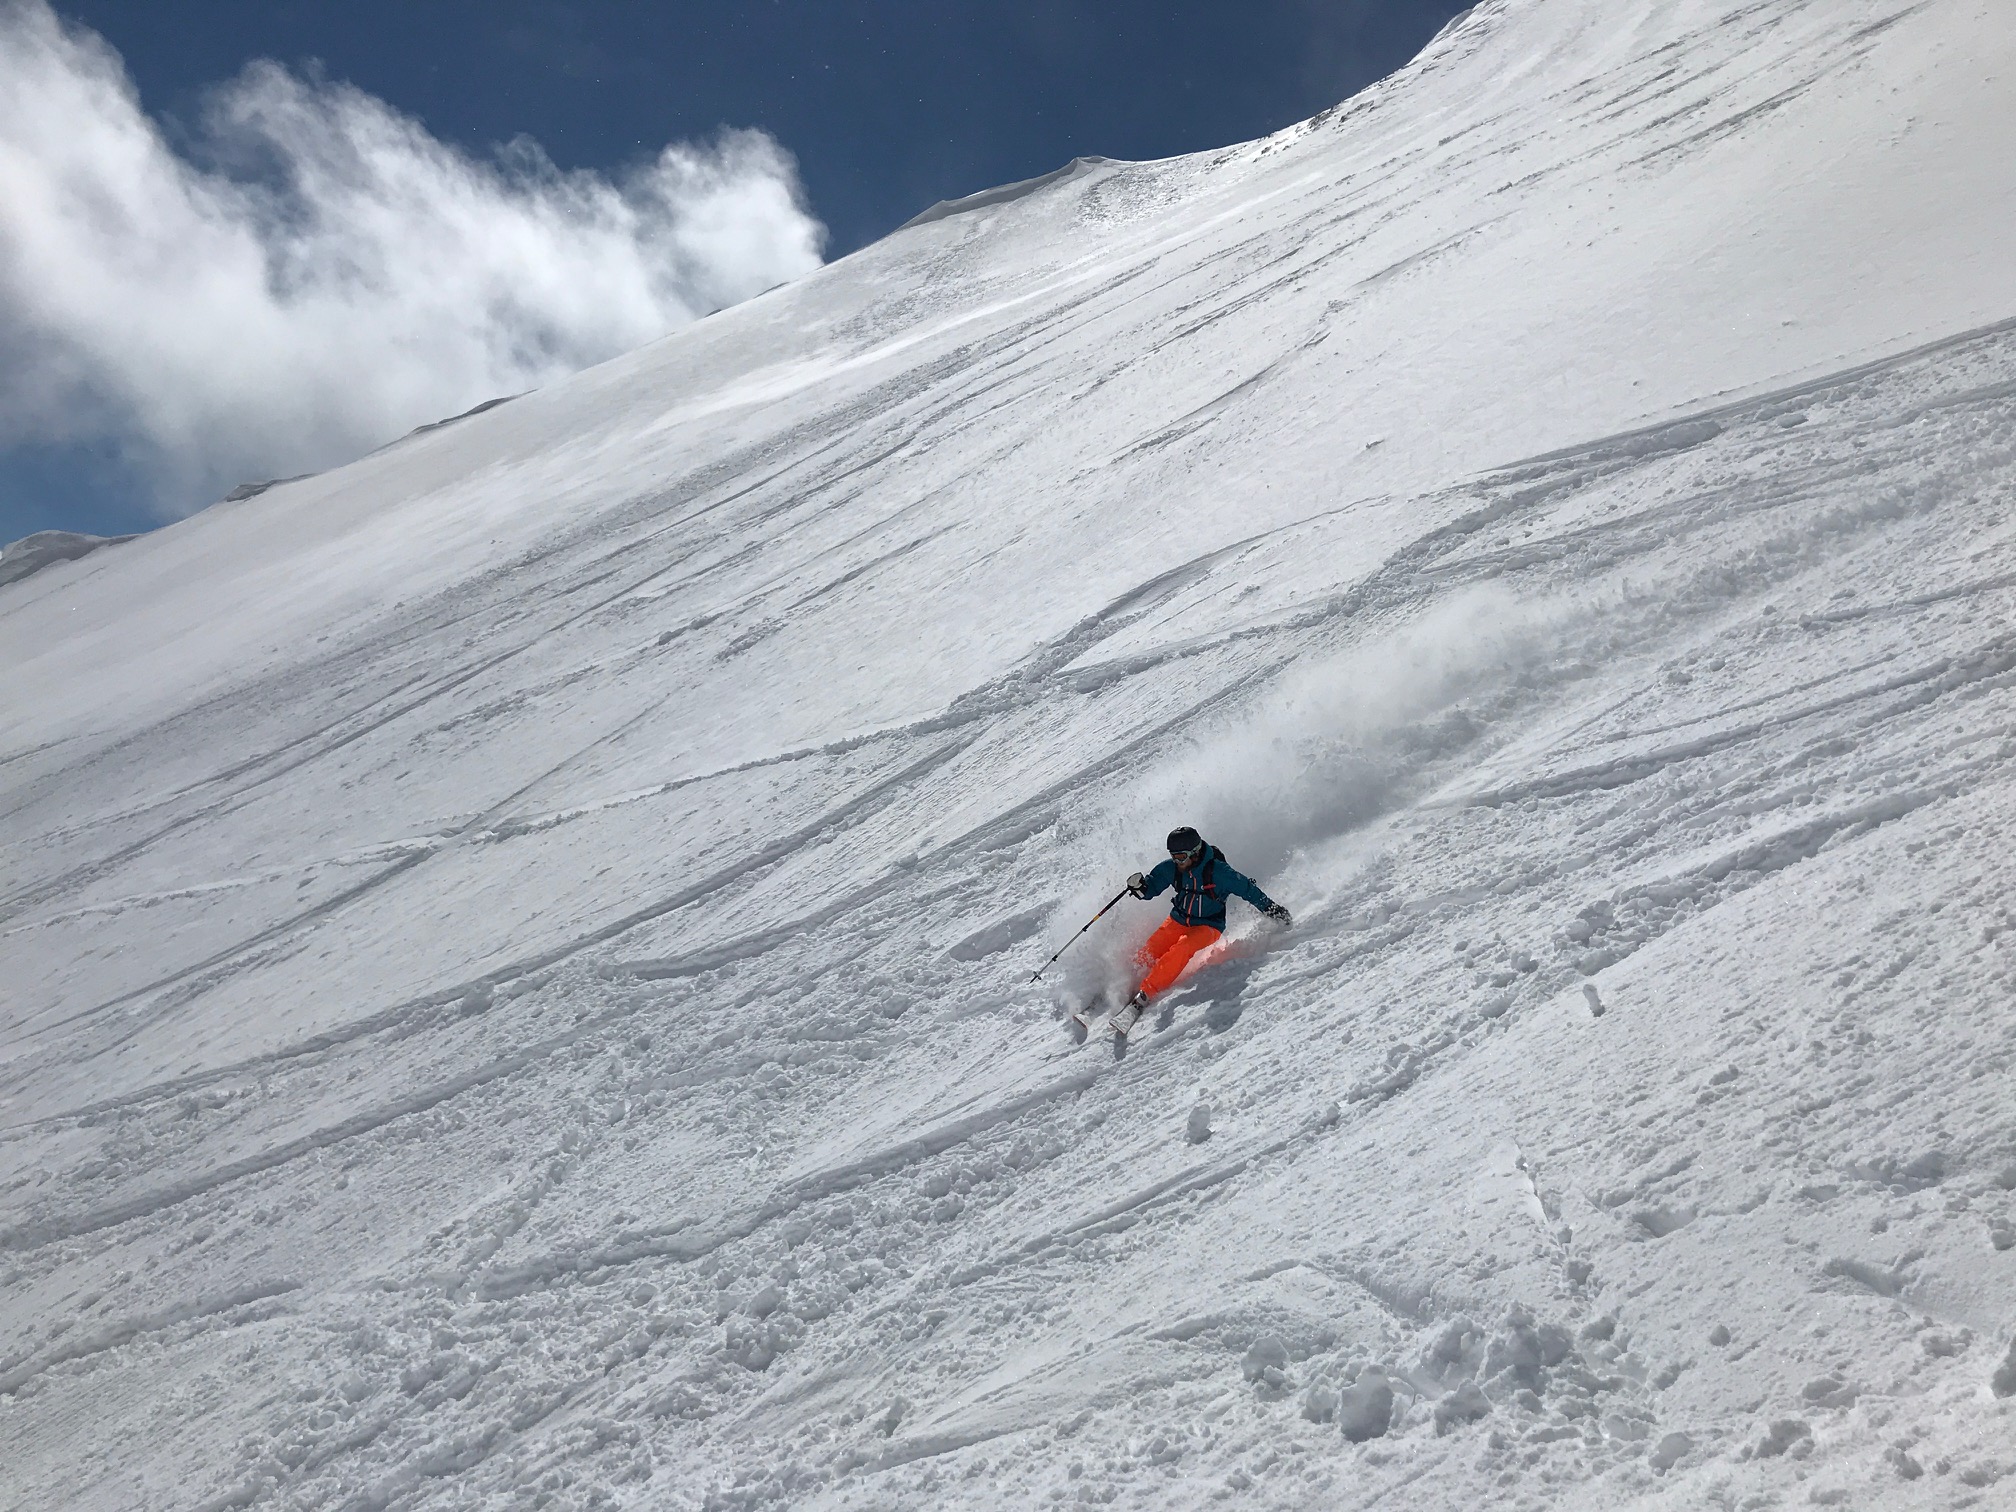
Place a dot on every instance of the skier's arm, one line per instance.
(1159, 879)
(1239, 885)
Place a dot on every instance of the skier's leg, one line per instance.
(1158, 943)
(1169, 965)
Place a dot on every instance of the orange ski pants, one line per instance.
(1169, 950)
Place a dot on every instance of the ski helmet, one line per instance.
(1184, 840)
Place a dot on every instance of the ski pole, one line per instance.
(1074, 939)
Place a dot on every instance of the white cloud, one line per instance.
(329, 275)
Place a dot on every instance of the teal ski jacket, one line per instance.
(1202, 890)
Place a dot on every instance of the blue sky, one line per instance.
(888, 105)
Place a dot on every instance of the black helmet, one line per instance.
(1185, 840)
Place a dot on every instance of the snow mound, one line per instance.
(518, 949)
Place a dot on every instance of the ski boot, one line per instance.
(1129, 1013)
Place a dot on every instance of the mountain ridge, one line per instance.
(520, 944)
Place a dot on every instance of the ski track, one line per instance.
(1632, 1097)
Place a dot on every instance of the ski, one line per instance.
(1086, 1017)
(1082, 1020)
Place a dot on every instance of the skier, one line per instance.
(1203, 880)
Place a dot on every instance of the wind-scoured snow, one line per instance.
(516, 951)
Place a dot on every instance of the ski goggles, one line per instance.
(1187, 857)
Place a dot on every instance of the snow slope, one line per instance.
(516, 950)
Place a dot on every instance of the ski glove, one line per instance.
(1281, 916)
(1138, 885)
